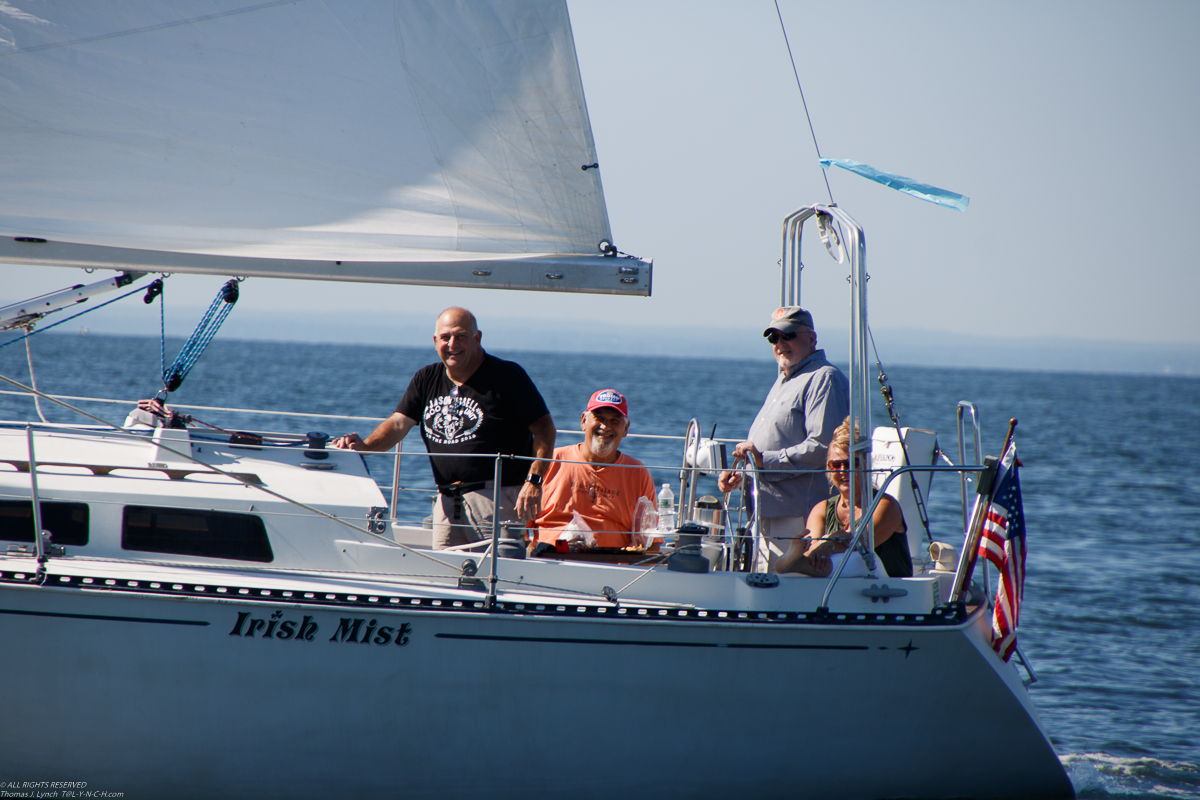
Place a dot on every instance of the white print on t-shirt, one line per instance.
(592, 489)
(450, 420)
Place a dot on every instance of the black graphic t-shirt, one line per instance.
(490, 413)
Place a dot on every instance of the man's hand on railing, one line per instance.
(351, 441)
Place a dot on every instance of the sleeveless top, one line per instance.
(855, 566)
(893, 553)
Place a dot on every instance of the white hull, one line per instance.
(153, 695)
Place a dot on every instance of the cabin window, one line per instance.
(68, 522)
(193, 532)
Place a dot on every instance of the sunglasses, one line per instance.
(774, 336)
(843, 464)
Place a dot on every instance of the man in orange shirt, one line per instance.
(594, 479)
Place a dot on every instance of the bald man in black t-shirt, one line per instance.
(470, 404)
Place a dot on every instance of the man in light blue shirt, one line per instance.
(789, 438)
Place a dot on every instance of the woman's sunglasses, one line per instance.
(843, 464)
(774, 336)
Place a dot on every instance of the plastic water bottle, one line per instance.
(666, 508)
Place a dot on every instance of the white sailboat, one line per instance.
(221, 616)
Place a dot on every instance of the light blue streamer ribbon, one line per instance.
(922, 191)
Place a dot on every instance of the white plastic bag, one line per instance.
(577, 534)
(645, 523)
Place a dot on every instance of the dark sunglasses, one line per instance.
(843, 464)
(774, 336)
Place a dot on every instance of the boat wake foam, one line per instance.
(1101, 775)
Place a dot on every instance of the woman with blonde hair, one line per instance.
(827, 535)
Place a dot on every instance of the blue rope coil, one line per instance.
(194, 347)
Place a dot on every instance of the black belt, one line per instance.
(459, 489)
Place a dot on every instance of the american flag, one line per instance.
(1003, 544)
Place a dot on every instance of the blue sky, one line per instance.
(1070, 125)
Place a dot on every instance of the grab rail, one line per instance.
(38, 545)
(687, 476)
(962, 479)
(869, 512)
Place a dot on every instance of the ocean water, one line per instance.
(1111, 485)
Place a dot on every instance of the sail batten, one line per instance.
(399, 137)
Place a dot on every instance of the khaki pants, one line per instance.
(467, 519)
(777, 538)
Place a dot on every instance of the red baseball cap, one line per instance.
(609, 398)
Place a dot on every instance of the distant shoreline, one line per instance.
(896, 347)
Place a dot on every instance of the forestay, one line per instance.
(384, 141)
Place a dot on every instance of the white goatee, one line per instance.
(602, 448)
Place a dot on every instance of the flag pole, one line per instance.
(970, 553)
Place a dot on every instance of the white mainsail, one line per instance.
(382, 140)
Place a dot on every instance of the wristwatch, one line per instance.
(534, 478)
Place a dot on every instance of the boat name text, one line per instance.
(354, 629)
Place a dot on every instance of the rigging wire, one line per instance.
(886, 391)
(803, 102)
(32, 332)
(234, 476)
(37, 401)
(154, 290)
